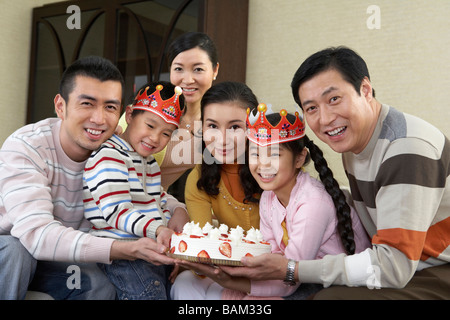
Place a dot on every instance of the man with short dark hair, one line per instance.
(398, 168)
(42, 225)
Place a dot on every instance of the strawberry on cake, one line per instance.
(217, 245)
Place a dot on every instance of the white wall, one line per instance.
(15, 37)
(408, 57)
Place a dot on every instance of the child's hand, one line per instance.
(174, 273)
(163, 235)
(178, 220)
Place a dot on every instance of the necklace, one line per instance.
(187, 126)
(188, 129)
(188, 121)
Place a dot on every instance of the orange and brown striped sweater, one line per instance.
(400, 187)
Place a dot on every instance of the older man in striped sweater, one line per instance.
(398, 168)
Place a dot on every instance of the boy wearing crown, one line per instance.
(123, 196)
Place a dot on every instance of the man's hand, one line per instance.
(268, 266)
(144, 248)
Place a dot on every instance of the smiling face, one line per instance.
(275, 168)
(193, 71)
(147, 132)
(89, 117)
(339, 115)
(224, 131)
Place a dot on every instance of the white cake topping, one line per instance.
(214, 234)
(254, 235)
(217, 243)
(223, 228)
(236, 234)
(192, 228)
(187, 228)
(207, 228)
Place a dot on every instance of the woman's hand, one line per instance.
(174, 274)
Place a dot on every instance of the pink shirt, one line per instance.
(311, 224)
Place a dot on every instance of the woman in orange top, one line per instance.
(222, 187)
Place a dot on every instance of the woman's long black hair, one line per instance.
(343, 211)
(210, 173)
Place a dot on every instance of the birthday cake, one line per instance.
(217, 245)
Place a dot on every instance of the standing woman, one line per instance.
(193, 66)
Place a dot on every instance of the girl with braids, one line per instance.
(302, 218)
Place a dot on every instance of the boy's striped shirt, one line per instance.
(123, 197)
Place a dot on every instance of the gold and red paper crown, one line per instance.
(261, 132)
(169, 110)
